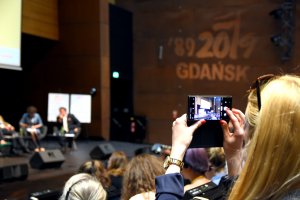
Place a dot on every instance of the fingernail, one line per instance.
(203, 121)
(222, 122)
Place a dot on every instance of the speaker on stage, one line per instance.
(13, 172)
(102, 151)
(47, 159)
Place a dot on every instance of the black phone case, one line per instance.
(209, 134)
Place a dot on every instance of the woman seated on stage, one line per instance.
(31, 122)
(7, 131)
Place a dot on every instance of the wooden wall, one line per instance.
(40, 18)
(79, 61)
(200, 47)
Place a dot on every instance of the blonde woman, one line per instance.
(139, 177)
(272, 166)
(83, 187)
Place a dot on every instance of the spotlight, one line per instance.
(277, 14)
(276, 40)
(93, 91)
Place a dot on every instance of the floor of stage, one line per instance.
(53, 178)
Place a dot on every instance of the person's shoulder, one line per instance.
(25, 114)
(145, 196)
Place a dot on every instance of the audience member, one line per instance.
(139, 177)
(83, 187)
(7, 130)
(271, 170)
(67, 123)
(31, 123)
(217, 162)
(97, 169)
(116, 166)
(195, 167)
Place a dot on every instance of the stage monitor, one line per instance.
(55, 101)
(80, 106)
(10, 34)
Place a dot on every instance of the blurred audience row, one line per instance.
(134, 179)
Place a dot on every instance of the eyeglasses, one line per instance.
(258, 83)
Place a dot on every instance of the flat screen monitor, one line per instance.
(55, 101)
(80, 106)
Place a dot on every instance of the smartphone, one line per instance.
(212, 109)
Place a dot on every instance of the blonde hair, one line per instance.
(140, 175)
(251, 112)
(216, 157)
(96, 169)
(117, 163)
(83, 187)
(273, 165)
(4, 122)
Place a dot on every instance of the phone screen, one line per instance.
(212, 109)
(208, 107)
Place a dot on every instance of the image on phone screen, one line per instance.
(212, 109)
(208, 107)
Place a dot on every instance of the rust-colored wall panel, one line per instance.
(76, 12)
(40, 18)
(81, 39)
(199, 47)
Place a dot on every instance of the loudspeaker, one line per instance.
(47, 159)
(13, 172)
(102, 151)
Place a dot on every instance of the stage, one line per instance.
(54, 178)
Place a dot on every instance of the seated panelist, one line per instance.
(7, 131)
(31, 122)
(68, 125)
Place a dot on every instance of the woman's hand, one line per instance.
(233, 140)
(182, 136)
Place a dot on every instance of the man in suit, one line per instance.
(68, 126)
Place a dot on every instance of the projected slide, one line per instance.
(10, 34)
(55, 101)
(81, 107)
